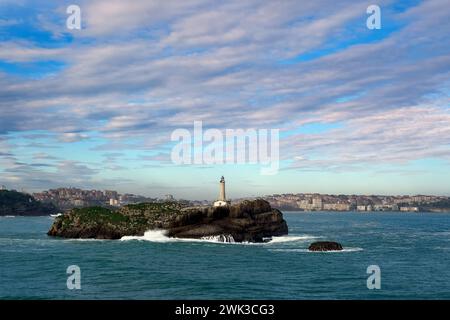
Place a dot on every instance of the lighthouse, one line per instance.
(222, 200)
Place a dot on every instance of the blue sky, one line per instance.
(359, 111)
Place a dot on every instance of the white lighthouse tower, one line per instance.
(222, 201)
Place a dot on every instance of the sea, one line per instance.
(410, 252)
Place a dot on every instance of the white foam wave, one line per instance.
(160, 236)
(303, 250)
(56, 215)
(282, 239)
(228, 238)
(151, 235)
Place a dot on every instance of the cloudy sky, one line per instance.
(359, 111)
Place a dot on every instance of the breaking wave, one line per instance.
(282, 239)
(151, 235)
(161, 237)
(220, 238)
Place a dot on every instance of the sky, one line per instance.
(359, 111)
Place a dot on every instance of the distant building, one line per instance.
(409, 209)
(78, 202)
(111, 194)
(3, 187)
(337, 206)
(311, 203)
(361, 208)
(304, 204)
(169, 197)
(113, 202)
(317, 203)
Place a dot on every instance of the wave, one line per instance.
(160, 236)
(355, 249)
(151, 235)
(282, 239)
(228, 238)
(441, 248)
(56, 215)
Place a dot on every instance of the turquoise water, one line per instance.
(412, 250)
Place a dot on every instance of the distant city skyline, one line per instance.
(360, 111)
(174, 197)
(68, 198)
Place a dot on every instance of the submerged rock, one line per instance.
(325, 246)
(249, 221)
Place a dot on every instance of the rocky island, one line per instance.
(247, 221)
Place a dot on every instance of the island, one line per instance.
(13, 203)
(246, 221)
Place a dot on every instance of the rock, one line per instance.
(325, 246)
(249, 221)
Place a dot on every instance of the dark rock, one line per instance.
(325, 246)
(250, 221)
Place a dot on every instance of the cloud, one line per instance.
(73, 137)
(397, 136)
(24, 52)
(140, 70)
(37, 176)
(44, 156)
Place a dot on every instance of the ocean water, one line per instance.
(411, 249)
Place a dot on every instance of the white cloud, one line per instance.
(141, 69)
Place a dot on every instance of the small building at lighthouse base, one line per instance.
(221, 203)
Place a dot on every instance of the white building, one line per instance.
(409, 209)
(222, 200)
(317, 203)
(113, 202)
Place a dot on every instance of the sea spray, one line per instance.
(161, 237)
(228, 238)
(150, 235)
(292, 238)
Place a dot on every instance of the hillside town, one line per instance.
(68, 198)
(363, 203)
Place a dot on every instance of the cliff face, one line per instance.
(250, 221)
(20, 204)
